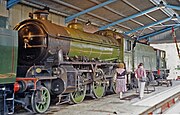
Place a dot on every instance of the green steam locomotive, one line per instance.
(66, 62)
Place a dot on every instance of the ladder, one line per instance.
(10, 108)
(175, 41)
(8, 101)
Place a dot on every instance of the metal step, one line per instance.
(10, 113)
(10, 99)
(10, 108)
(63, 101)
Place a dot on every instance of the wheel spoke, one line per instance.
(44, 92)
(38, 105)
(41, 107)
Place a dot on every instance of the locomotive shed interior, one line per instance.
(66, 50)
(142, 19)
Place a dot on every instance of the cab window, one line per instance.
(163, 54)
(128, 45)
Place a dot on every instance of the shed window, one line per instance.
(3, 22)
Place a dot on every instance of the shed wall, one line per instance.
(21, 12)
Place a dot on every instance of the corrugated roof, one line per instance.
(118, 10)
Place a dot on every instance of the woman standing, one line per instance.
(141, 76)
(120, 81)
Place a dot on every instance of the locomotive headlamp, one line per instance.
(38, 70)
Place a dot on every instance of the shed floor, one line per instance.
(112, 105)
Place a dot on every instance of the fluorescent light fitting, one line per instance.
(161, 5)
(174, 17)
(88, 22)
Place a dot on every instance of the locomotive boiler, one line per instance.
(42, 41)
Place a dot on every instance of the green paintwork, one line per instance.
(8, 55)
(145, 54)
(93, 45)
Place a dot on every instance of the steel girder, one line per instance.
(11, 3)
(147, 36)
(130, 17)
(88, 10)
(149, 25)
(173, 7)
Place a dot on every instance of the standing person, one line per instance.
(141, 76)
(120, 81)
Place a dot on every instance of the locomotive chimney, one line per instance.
(41, 14)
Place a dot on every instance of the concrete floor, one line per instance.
(108, 105)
